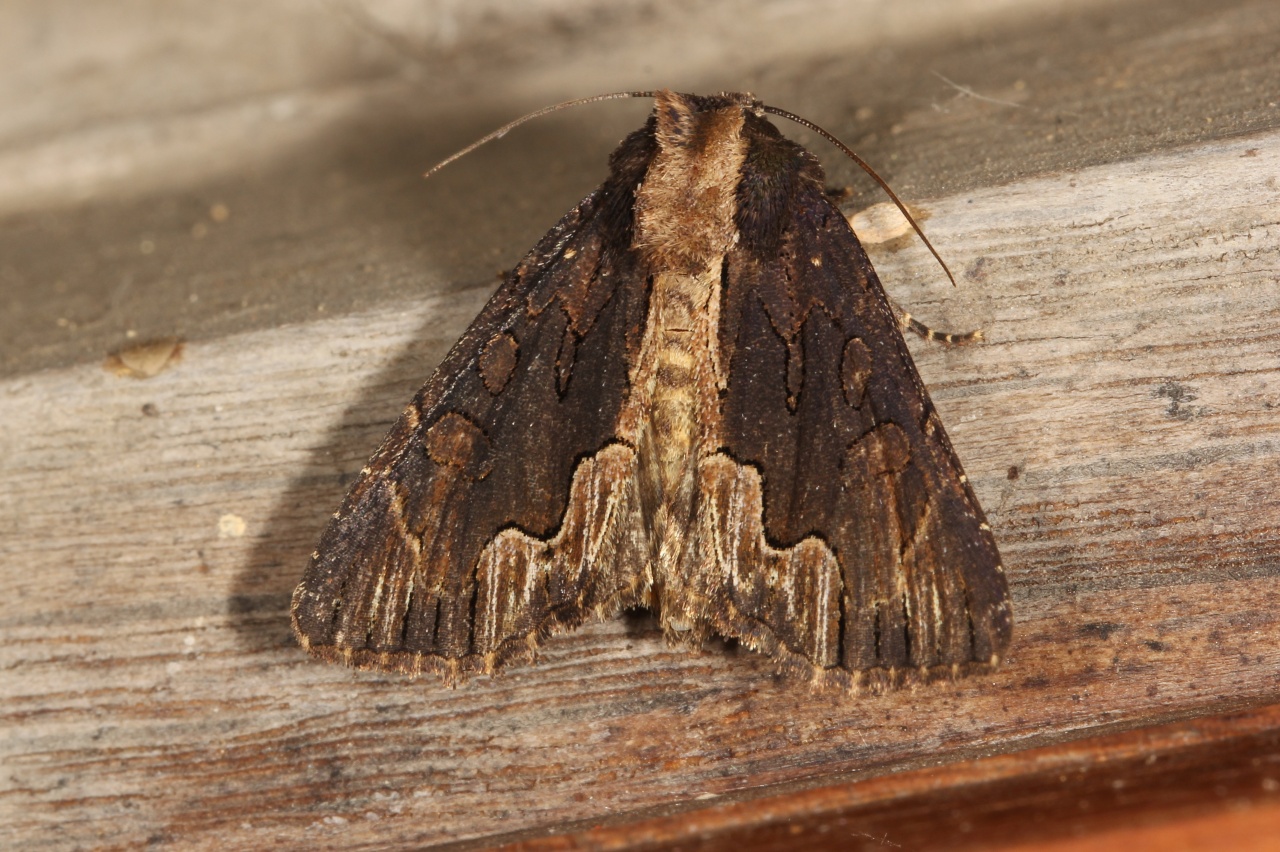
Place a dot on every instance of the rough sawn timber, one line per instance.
(1121, 426)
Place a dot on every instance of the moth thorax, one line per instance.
(685, 206)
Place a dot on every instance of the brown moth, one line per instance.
(692, 395)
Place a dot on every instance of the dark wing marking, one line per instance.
(453, 551)
(850, 451)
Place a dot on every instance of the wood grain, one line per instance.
(1205, 783)
(1121, 428)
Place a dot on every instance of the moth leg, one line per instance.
(906, 322)
(837, 195)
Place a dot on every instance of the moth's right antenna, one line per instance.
(830, 137)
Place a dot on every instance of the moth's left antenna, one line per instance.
(508, 127)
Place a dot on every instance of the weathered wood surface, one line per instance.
(1205, 783)
(1121, 426)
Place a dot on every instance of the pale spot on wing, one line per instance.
(856, 365)
(455, 441)
(497, 362)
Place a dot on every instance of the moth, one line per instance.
(692, 395)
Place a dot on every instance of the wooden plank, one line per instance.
(127, 130)
(1120, 427)
(1209, 783)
